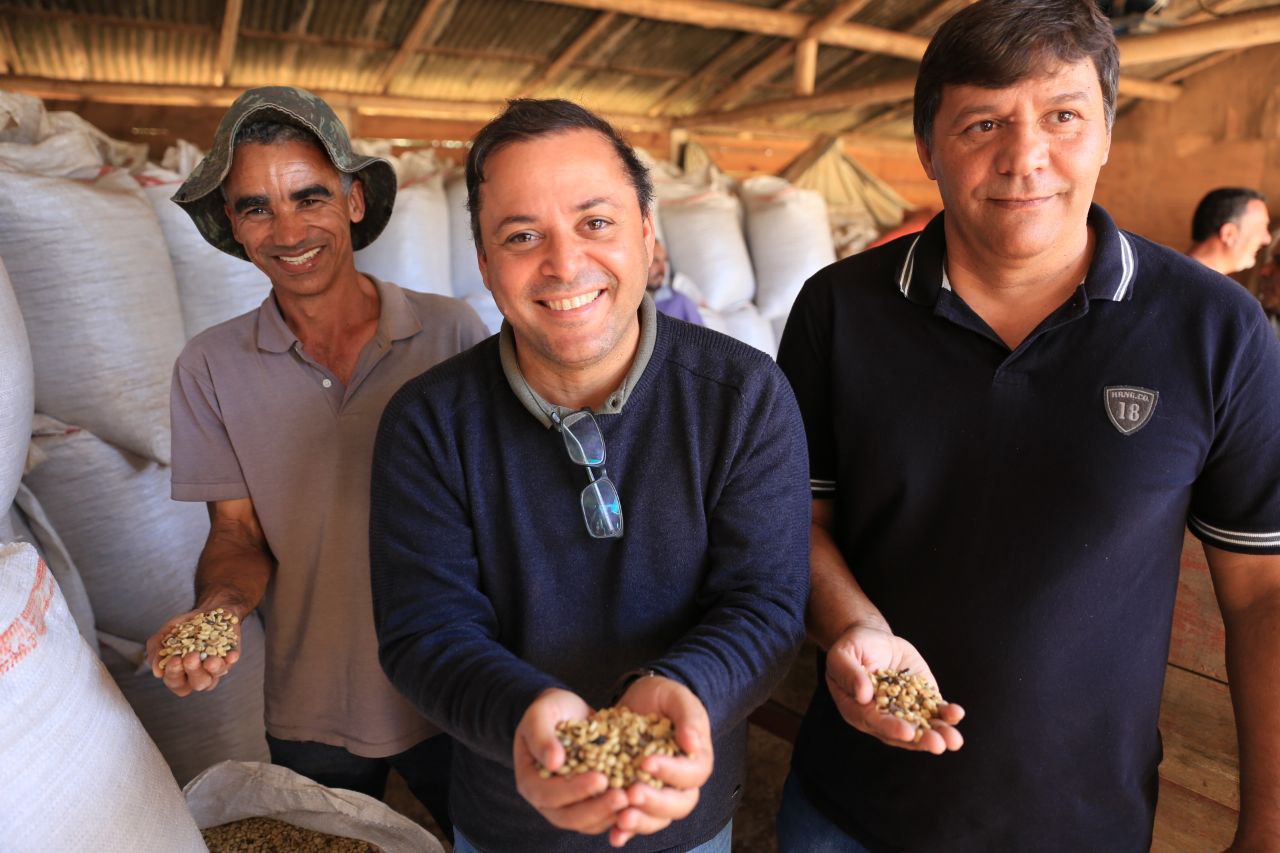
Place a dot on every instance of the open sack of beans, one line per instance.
(228, 799)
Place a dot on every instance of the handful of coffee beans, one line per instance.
(907, 697)
(209, 633)
(613, 741)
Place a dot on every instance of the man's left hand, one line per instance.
(652, 809)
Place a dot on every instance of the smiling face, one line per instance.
(288, 209)
(565, 250)
(1016, 167)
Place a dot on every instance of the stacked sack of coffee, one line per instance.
(743, 248)
(91, 275)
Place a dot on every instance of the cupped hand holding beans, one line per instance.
(851, 660)
(581, 802)
(652, 809)
(195, 650)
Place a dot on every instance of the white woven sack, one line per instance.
(80, 773)
(744, 323)
(704, 241)
(212, 285)
(789, 237)
(28, 523)
(88, 263)
(235, 790)
(198, 730)
(413, 250)
(484, 305)
(22, 118)
(464, 269)
(136, 549)
(17, 393)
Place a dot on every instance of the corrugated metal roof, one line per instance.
(475, 49)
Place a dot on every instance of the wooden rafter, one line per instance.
(806, 158)
(923, 24)
(742, 46)
(227, 41)
(806, 65)
(1248, 29)
(411, 42)
(719, 14)
(887, 92)
(214, 96)
(289, 56)
(562, 62)
(768, 67)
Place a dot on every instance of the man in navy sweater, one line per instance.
(507, 596)
(1012, 416)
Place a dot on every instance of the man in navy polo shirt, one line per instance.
(1011, 417)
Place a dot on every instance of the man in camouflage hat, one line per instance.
(274, 415)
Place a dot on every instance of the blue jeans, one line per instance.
(722, 843)
(425, 768)
(801, 827)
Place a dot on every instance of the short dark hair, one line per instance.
(529, 118)
(996, 43)
(1220, 206)
(268, 132)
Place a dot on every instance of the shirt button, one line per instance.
(326, 383)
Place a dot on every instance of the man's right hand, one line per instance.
(189, 674)
(860, 651)
(581, 802)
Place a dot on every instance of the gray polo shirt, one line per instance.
(254, 416)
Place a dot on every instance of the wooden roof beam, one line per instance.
(227, 41)
(412, 40)
(719, 14)
(1249, 29)
(765, 69)
(888, 92)
(222, 96)
(562, 62)
(740, 47)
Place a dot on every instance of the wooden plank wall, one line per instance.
(1199, 778)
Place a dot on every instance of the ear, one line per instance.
(482, 261)
(1228, 233)
(926, 157)
(650, 230)
(355, 201)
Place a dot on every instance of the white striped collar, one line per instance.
(921, 274)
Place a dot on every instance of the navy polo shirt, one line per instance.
(1018, 516)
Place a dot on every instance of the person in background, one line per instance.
(664, 287)
(508, 597)
(1013, 416)
(1229, 228)
(274, 415)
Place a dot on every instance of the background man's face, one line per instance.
(288, 210)
(565, 248)
(1252, 233)
(1016, 167)
(658, 266)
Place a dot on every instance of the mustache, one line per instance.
(296, 249)
(587, 280)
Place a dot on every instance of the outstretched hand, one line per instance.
(853, 657)
(653, 809)
(581, 802)
(188, 674)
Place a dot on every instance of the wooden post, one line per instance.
(227, 41)
(806, 65)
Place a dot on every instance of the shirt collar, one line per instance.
(540, 408)
(397, 319)
(921, 273)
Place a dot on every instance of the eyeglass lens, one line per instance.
(601, 506)
(582, 438)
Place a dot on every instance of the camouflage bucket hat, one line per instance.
(199, 194)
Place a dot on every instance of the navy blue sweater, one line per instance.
(487, 589)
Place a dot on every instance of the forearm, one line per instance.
(1253, 657)
(234, 569)
(836, 601)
